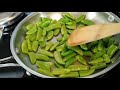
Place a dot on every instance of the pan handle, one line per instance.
(6, 59)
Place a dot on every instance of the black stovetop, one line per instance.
(19, 72)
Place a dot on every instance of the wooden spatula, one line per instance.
(92, 33)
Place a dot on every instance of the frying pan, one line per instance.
(18, 36)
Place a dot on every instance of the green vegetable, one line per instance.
(39, 34)
(106, 58)
(81, 25)
(70, 31)
(58, 58)
(69, 15)
(35, 45)
(97, 55)
(59, 39)
(58, 71)
(80, 18)
(69, 75)
(45, 24)
(94, 49)
(84, 46)
(100, 45)
(32, 30)
(31, 37)
(56, 31)
(29, 45)
(90, 45)
(53, 26)
(86, 72)
(65, 37)
(32, 57)
(29, 26)
(87, 53)
(81, 59)
(44, 32)
(70, 61)
(44, 19)
(106, 40)
(99, 65)
(87, 22)
(42, 44)
(42, 57)
(77, 67)
(111, 50)
(111, 41)
(58, 65)
(67, 53)
(54, 46)
(49, 35)
(60, 48)
(69, 56)
(63, 30)
(45, 52)
(72, 26)
(24, 47)
(49, 45)
(95, 61)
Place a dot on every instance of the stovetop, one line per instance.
(19, 72)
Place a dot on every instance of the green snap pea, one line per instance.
(45, 72)
(106, 40)
(43, 65)
(49, 35)
(84, 46)
(86, 72)
(97, 55)
(42, 44)
(39, 23)
(87, 22)
(65, 20)
(69, 15)
(29, 45)
(81, 59)
(58, 58)
(64, 50)
(45, 24)
(53, 26)
(51, 64)
(53, 22)
(58, 65)
(80, 18)
(59, 39)
(77, 67)
(69, 75)
(69, 23)
(100, 45)
(95, 61)
(54, 46)
(44, 19)
(81, 25)
(90, 45)
(24, 47)
(32, 30)
(49, 45)
(70, 61)
(69, 56)
(67, 53)
(58, 71)
(29, 26)
(35, 45)
(65, 37)
(72, 26)
(56, 31)
(99, 65)
(42, 57)
(111, 50)
(87, 53)
(45, 52)
(39, 34)
(70, 31)
(94, 49)
(32, 57)
(111, 41)
(77, 49)
(106, 58)
(63, 29)
(44, 32)
(60, 48)
(31, 37)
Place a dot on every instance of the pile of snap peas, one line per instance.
(56, 59)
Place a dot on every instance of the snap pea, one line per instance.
(86, 72)
(29, 45)
(100, 45)
(53, 26)
(67, 53)
(32, 30)
(49, 45)
(39, 34)
(39, 23)
(69, 23)
(54, 46)
(60, 48)
(70, 31)
(51, 64)
(58, 58)
(58, 65)
(99, 65)
(35, 45)
(45, 72)
(81, 59)
(43, 65)
(42, 57)
(84, 46)
(64, 49)
(24, 47)
(63, 29)
(42, 44)
(95, 61)
(59, 39)
(45, 52)
(53, 22)
(56, 31)
(31, 37)
(94, 49)
(58, 71)
(70, 61)
(76, 49)
(77, 67)
(111, 50)
(29, 26)
(87, 53)
(80, 18)
(65, 37)
(72, 26)
(106, 40)
(65, 20)
(97, 55)
(106, 58)
(90, 45)
(49, 35)
(44, 32)
(69, 15)
(44, 19)
(111, 41)
(32, 57)
(69, 75)
(87, 22)
(69, 56)
(45, 24)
